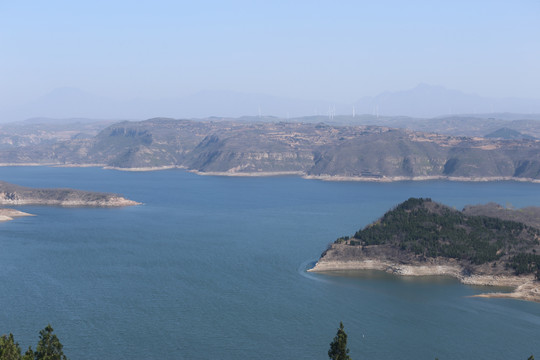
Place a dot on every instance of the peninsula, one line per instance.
(421, 237)
(10, 214)
(11, 194)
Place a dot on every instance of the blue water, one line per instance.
(214, 268)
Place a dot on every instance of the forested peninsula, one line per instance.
(481, 245)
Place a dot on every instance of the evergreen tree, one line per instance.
(9, 349)
(338, 347)
(29, 354)
(49, 347)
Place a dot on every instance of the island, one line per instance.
(11, 194)
(481, 245)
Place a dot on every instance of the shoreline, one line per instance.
(524, 287)
(250, 174)
(105, 203)
(142, 169)
(390, 179)
(302, 174)
(11, 214)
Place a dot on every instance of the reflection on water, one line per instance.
(385, 276)
(429, 280)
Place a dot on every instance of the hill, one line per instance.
(506, 133)
(529, 215)
(425, 100)
(313, 150)
(422, 237)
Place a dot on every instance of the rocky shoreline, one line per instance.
(388, 179)
(143, 169)
(303, 174)
(16, 195)
(114, 201)
(525, 287)
(10, 214)
(248, 174)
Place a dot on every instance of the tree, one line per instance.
(29, 354)
(338, 347)
(49, 347)
(9, 349)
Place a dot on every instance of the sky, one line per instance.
(327, 50)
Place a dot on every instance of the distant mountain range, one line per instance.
(422, 101)
(430, 101)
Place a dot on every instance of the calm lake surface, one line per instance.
(214, 268)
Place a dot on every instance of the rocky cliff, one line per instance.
(312, 150)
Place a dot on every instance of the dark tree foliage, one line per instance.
(525, 264)
(29, 354)
(9, 349)
(338, 347)
(428, 229)
(48, 348)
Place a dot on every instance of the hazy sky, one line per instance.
(332, 50)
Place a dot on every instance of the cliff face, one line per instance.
(313, 150)
(388, 153)
(230, 153)
(11, 194)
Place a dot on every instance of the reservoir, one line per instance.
(214, 268)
